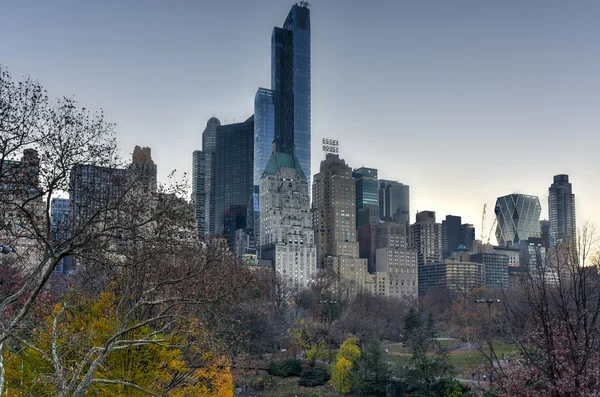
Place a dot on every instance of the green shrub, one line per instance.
(312, 377)
(285, 368)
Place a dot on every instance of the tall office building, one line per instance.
(425, 236)
(518, 218)
(234, 176)
(396, 261)
(367, 194)
(334, 221)
(451, 234)
(394, 205)
(290, 82)
(561, 208)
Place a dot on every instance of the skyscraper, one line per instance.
(518, 218)
(334, 221)
(394, 205)
(203, 179)
(234, 176)
(451, 234)
(59, 217)
(290, 83)
(367, 193)
(199, 190)
(264, 130)
(561, 208)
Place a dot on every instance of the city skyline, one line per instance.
(469, 129)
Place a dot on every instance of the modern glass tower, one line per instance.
(290, 83)
(394, 203)
(518, 217)
(561, 207)
(234, 176)
(264, 130)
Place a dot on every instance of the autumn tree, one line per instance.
(342, 369)
(308, 337)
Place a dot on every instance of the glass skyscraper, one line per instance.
(561, 208)
(518, 217)
(394, 202)
(264, 130)
(290, 83)
(234, 176)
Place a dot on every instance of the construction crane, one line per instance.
(491, 230)
(483, 223)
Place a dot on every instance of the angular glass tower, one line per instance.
(561, 208)
(290, 82)
(264, 130)
(518, 217)
(394, 202)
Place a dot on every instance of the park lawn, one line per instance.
(465, 362)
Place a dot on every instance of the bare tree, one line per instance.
(559, 332)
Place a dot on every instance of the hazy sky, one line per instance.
(464, 101)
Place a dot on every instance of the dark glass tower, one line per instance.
(367, 194)
(561, 208)
(394, 205)
(234, 176)
(290, 82)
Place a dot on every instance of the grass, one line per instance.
(465, 362)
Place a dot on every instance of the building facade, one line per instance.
(451, 234)
(396, 260)
(334, 221)
(425, 237)
(561, 208)
(142, 172)
(518, 218)
(367, 193)
(203, 179)
(394, 202)
(286, 238)
(59, 217)
(234, 176)
(496, 269)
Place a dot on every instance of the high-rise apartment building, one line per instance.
(394, 205)
(395, 260)
(334, 221)
(518, 218)
(234, 176)
(367, 194)
(290, 83)
(561, 208)
(425, 236)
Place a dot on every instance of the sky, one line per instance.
(464, 100)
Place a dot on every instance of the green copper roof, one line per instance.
(278, 160)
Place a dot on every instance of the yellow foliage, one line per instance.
(341, 371)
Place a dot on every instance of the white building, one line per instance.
(286, 237)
